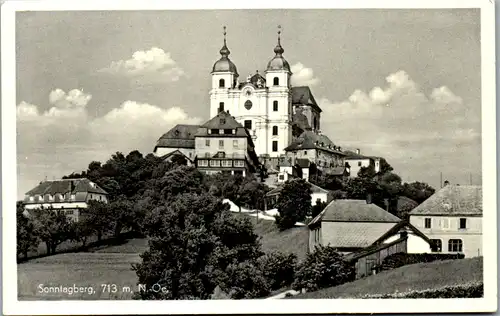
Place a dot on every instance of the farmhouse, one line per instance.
(354, 161)
(67, 195)
(452, 219)
(318, 193)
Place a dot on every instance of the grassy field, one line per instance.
(416, 277)
(95, 270)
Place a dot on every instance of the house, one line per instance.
(179, 138)
(354, 161)
(224, 145)
(353, 225)
(317, 148)
(317, 193)
(67, 195)
(177, 154)
(452, 219)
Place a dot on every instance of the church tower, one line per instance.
(224, 78)
(279, 100)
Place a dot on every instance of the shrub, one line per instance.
(401, 259)
(278, 268)
(245, 280)
(322, 268)
(470, 290)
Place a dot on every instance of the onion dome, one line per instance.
(224, 64)
(278, 62)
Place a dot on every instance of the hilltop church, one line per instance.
(281, 123)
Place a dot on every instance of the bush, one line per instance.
(401, 259)
(323, 268)
(278, 268)
(244, 281)
(471, 290)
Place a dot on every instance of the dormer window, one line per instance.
(222, 83)
(32, 198)
(73, 197)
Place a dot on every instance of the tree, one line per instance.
(318, 208)
(196, 244)
(26, 236)
(417, 191)
(294, 203)
(53, 227)
(323, 267)
(124, 216)
(98, 216)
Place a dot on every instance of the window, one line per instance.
(221, 106)
(69, 212)
(214, 163)
(248, 124)
(305, 152)
(222, 83)
(227, 163)
(221, 144)
(275, 145)
(427, 223)
(222, 121)
(215, 131)
(207, 142)
(228, 131)
(359, 163)
(248, 104)
(436, 245)
(190, 155)
(235, 143)
(275, 106)
(281, 177)
(455, 245)
(202, 163)
(72, 197)
(239, 163)
(463, 223)
(276, 81)
(275, 130)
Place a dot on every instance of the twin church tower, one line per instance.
(262, 104)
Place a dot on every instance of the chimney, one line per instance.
(368, 198)
(358, 151)
(446, 182)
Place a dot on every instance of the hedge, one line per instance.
(470, 290)
(401, 259)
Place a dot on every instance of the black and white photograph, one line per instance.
(208, 156)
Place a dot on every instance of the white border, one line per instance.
(9, 181)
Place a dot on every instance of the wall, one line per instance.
(364, 264)
(237, 152)
(354, 163)
(315, 238)
(73, 208)
(161, 151)
(447, 227)
(416, 244)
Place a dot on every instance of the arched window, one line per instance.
(275, 130)
(455, 245)
(276, 81)
(222, 83)
(275, 106)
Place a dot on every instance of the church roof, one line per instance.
(303, 96)
(180, 136)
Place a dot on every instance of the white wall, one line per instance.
(415, 243)
(161, 151)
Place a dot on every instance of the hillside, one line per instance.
(415, 277)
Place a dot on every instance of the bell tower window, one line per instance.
(222, 83)
(275, 106)
(221, 105)
(275, 130)
(276, 81)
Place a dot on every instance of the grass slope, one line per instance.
(417, 277)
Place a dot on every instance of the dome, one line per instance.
(224, 65)
(278, 63)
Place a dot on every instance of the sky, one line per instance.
(401, 84)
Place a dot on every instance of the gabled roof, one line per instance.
(453, 200)
(223, 120)
(303, 96)
(314, 189)
(180, 136)
(311, 140)
(371, 249)
(400, 226)
(354, 211)
(173, 153)
(66, 187)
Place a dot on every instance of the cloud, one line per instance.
(421, 133)
(303, 76)
(154, 65)
(65, 138)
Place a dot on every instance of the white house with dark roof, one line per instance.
(352, 225)
(317, 193)
(354, 161)
(452, 219)
(68, 195)
(179, 138)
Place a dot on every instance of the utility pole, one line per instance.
(470, 178)
(441, 179)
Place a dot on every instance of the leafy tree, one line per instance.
(26, 235)
(123, 216)
(318, 208)
(294, 203)
(98, 216)
(53, 227)
(278, 268)
(418, 191)
(193, 241)
(323, 267)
